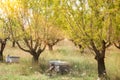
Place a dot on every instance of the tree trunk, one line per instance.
(101, 68)
(13, 44)
(50, 47)
(35, 59)
(3, 44)
(1, 56)
(100, 55)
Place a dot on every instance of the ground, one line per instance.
(83, 66)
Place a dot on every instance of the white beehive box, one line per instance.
(12, 59)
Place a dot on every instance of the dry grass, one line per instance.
(83, 66)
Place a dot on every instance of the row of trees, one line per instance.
(29, 22)
(37, 23)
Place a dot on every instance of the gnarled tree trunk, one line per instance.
(100, 55)
(35, 50)
(35, 58)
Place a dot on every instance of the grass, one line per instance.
(83, 66)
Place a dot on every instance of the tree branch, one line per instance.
(36, 45)
(41, 50)
(118, 46)
(93, 46)
(108, 44)
(57, 41)
(27, 44)
(22, 48)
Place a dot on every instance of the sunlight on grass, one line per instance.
(83, 66)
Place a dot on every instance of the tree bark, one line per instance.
(1, 56)
(13, 44)
(35, 58)
(101, 67)
(100, 55)
(2, 47)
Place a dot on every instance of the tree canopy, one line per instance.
(94, 24)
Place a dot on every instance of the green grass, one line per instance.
(83, 66)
